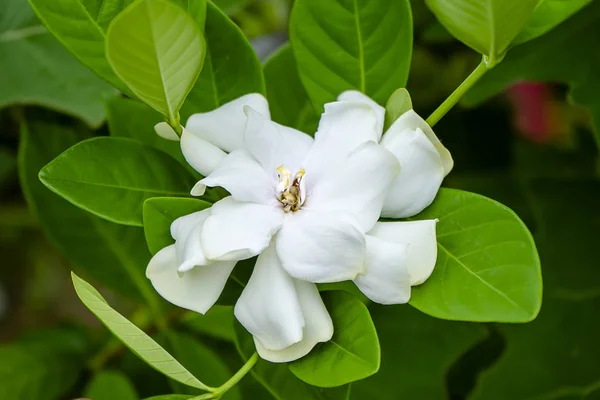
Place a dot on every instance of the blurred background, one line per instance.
(519, 141)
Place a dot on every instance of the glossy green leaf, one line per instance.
(288, 100)
(132, 337)
(37, 70)
(352, 354)
(487, 267)
(217, 323)
(398, 103)
(547, 15)
(112, 254)
(351, 44)
(160, 212)
(111, 177)
(158, 50)
(231, 67)
(416, 353)
(487, 26)
(278, 379)
(562, 55)
(110, 385)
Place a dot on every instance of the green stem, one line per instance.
(221, 390)
(458, 93)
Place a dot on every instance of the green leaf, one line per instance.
(109, 385)
(351, 44)
(398, 103)
(100, 173)
(231, 67)
(416, 353)
(37, 70)
(487, 264)
(217, 322)
(550, 58)
(288, 100)
(159, 214)
(132, 337)
(547, 15)
(112, 254)
(170, 397)
(353, 352)
(157, 49)
(487, 26)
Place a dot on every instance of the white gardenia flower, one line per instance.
(309, 209)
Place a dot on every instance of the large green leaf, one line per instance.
(231, 68)
(278, 379)
(353, 352)
(110, 385)
(36, 69)
(487, 26)
(547, 15)
(562, 55)
(111, 177)
(112, 254)
(351, 44)
(132, 337)
(159, 214)
(487, 265)
(416, 353)
(288, 100)
(157, 49)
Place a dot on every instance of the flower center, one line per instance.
(291, 193)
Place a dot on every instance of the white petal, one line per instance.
(186, 232)
(224, 127)
(242, 176)
(196, 290)
(422, 245)
(165, 131)
(318, 326)
(273, 145)
(202, 155)
(420, 177)
(410, 120)
(321, 247)
(237, 231)
(269, 307)
(343, 127)
(359, 188)
(386, 279)
(354, 95)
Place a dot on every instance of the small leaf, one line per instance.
(352, 354)
(159, 214)
(487, 267)
(109, 385)
(132, 337)
(487, 26)
(351, 44)
(398, 103)
(157, 49)
(288, 100)
(111, 177)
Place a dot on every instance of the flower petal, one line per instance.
(410, 120)
(359, 188)
(321, 247)
(420, 177)
(269, 307)
(237, 231)
(318, 326)
(186, 232)
(202, 155)
(420, 237)
(197, 290)
(242, 176)
(224, 126)
(386, 279)
(356, 96)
